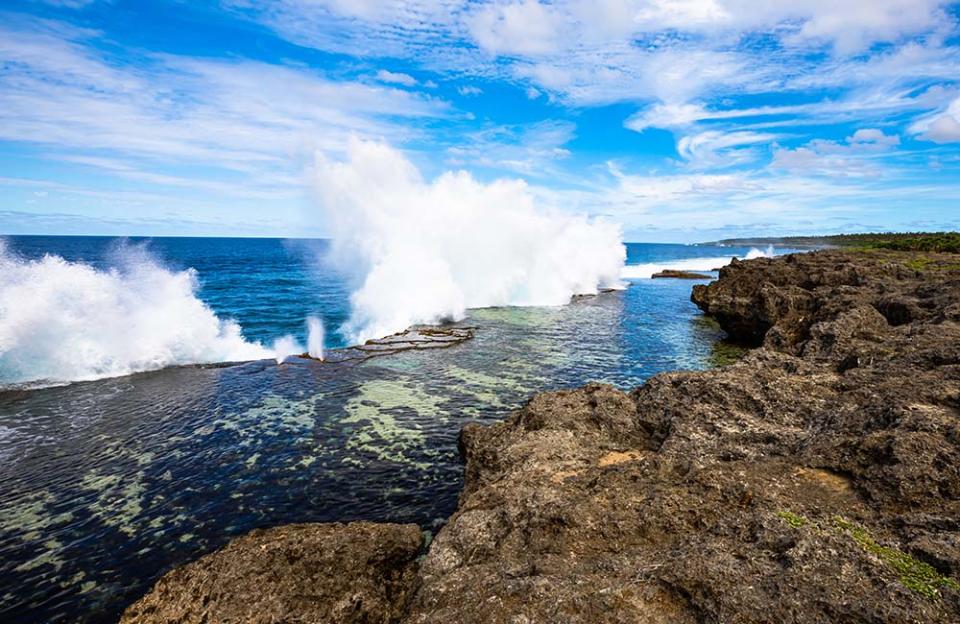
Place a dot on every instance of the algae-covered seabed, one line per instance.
(106, 485)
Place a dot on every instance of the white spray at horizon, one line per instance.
(703, 264)
(424, 252)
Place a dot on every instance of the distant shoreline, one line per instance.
(901, 241)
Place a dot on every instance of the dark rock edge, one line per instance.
(815, 480)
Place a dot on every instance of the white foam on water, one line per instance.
(423, 251)
(695, 265)
(64, 321)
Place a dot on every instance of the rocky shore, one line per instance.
(815, 480)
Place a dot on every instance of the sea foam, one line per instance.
(705, 264)
(66, 321)
(426, 251)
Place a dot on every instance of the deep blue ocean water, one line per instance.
(105, 485)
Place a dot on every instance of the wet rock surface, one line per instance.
(815, 480)
(417, 337)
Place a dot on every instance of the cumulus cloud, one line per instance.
(872, 138)
(851, 157)
(523, 28)
(396, 78)
(943, 127)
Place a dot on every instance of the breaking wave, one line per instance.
(63, 321)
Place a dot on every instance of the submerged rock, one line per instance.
(815, 480)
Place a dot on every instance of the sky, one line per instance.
(679, 120)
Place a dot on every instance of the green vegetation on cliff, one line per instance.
(917, 575)
(947, 242)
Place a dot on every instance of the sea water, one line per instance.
(107, 484)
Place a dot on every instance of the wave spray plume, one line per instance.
(424, 252)
(68, 321)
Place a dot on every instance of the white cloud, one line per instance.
(249, 123)
(857, 106)
(525, 28)
(684, 206)
(716, 149)
(529, 149)
(363, 28)
(849, 26)
(872, 138)
(396, 78)
(854, 157)
(942, 127)
(692, 67)
(673, 52)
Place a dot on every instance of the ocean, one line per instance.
(117, 465)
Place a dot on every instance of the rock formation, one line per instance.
(357, 572)
(675, 274)
(816, 480)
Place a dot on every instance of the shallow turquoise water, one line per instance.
(105, 485)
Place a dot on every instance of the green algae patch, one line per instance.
(723, 353)
(382, 429)
(119, 501)
(794, 520)
(914, 574)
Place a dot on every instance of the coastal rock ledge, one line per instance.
(815, 480)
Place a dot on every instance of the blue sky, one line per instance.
(681, 120)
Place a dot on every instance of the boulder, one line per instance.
(330, 573)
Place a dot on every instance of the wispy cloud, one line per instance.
(247, 123)
(529, 150)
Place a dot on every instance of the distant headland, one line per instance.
(948, 242)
